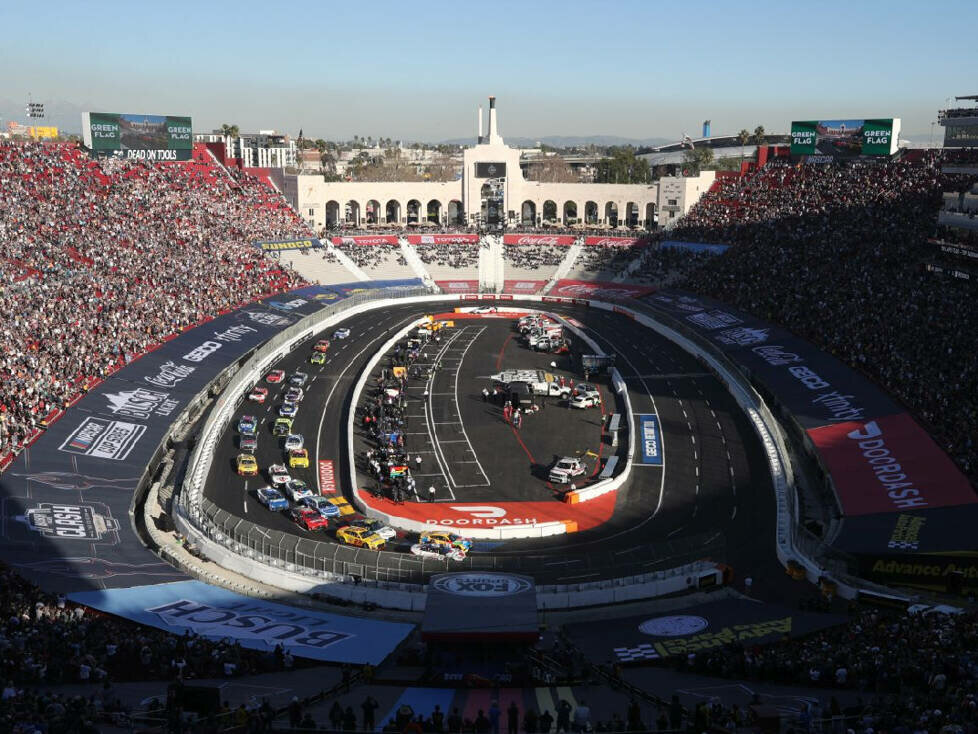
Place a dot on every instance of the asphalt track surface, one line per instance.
(711, 498)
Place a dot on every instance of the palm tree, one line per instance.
(759, 135)
(744, 137)
(230, 131)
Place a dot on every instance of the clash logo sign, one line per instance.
(75, 522)
(141, 403)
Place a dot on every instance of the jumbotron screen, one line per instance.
(147, 137)
(845, 138)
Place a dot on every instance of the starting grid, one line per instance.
(444, 446)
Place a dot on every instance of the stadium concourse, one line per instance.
(103, 261)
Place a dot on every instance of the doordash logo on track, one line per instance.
(886, 467)
(480, 515)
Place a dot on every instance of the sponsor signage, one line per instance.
(277, 245)
(74, 522)
(674, 625)
(103, 439)
(612, 241)
(523, 287)
(458, 286)
(942, 530)
(482, 585)
(327, 477)
(375, 239)
(215, 613)
(844, 138)
(889, 464)
(559, 240)
(567, 288)
(443, 239)
(138, 136)
(650, 438)
(490, 170)
(694, 247)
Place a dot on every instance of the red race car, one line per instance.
(275, 376)
(308, 518)
(321, 346)
(258, 394)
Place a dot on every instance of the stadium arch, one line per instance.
(373, 212)
(591, 212)
(611, 213)
(413, 210)
(332, 212)
(434, 211)
(353, 211)
(456, 212)
(570, 212)
(392, 211)
(528, 213)
(549, 210)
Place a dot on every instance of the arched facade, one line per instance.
(528, 213)
(611, 214)
(549, 210)
(434, 211)
(392, 212)
(372, 212)
(570, 213)
(456, 213)
(332, 213)
(413, 211)
(352, 212)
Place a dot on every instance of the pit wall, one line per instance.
(192, 522)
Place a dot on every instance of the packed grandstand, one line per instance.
(105, 260)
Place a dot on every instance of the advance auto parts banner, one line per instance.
(215, 613)
(66, 499)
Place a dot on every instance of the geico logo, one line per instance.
(808, 378)
(887, 469)
(202, 352)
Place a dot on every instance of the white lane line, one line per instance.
(734, 513)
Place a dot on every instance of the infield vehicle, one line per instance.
(296, 489)
(540, 382)
(586, 400)
(294, 441)
(322, 346)
(308, 519)
(288, 410)
(247, 465)
(248, 444)
(321, 505)
(567, 468)
(317, 358)
(446, 539)
(439, 551)
(375, 525)
(279, 475)
(359, 537)
(258, 394)
(299, 459)
(272, 499)
(247, 425)
(294, 395)
(275, 376)
(298, 379)
(282, 427)
(341, 333)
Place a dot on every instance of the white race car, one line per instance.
(279, 475)
(433, 550)
(341, 333)
(485, 309)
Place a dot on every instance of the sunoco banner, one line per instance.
(278, 245)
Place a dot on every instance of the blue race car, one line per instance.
(288, 410)
(247, 425)
(272, 499)
(321, 505)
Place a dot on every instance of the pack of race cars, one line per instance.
(293, 496)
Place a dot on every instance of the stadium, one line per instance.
(283, 453)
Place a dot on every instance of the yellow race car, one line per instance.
(447, 539)
(341, 503)
(359, 537)
(299, 458)
(247, 465)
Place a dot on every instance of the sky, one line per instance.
(419, 71)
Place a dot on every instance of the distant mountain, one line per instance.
(569, 141)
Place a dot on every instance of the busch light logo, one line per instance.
(249, 621)
(481, 584)
(266, 318)
(170, 373)
(103, 439)
(141, 403)
(75, 522)
(775, 355)
(743, 336)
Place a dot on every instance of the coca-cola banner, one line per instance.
(561, 240)
(458, 286)
(443, 239)
(612, 241)
(370, 239)
(567, 288)
(523, 287)
(889, 464)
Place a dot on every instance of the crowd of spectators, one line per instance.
(665, 266)
(600, 259)
(834, 253)
(372, 257)
(100, 260)
(534, 257)
(456, 256)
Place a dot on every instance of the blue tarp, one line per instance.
(695, 246)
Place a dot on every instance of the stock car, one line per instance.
(322, 346)
(294, 395)
(321, 505)
(566, 468)
(272, 499)
(282, 427)
(438, 550)
(288, 410)
(317, 358)
(279, 475)
(376, 526)
(445, 538)
(258, 394)
(296, 489)
(298, 459)
(294, 441)
(275, 376)
(308, 519)
(341, 333)
(247, 425)
(298, 379)
(485, 309)
(248, 444)
(341, 504)
(359, 537)
(247, 465)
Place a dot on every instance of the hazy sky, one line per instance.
(418, 70)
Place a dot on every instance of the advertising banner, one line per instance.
(523, 287)
(889, 464)
(146, 137)
(216, 613)
(941, 530)
(277, 245)
(372, 239)
(560, 240)
(650, 438)
(568, 288)
(612, 241)
(458, 286)
(443, 239)
(844, 138)
(490, 170)
(694, 247)
(479, 605)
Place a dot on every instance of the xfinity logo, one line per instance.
(141, 403)
(481, 584)
(775, 355)
(169, 374)
(885, 466)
